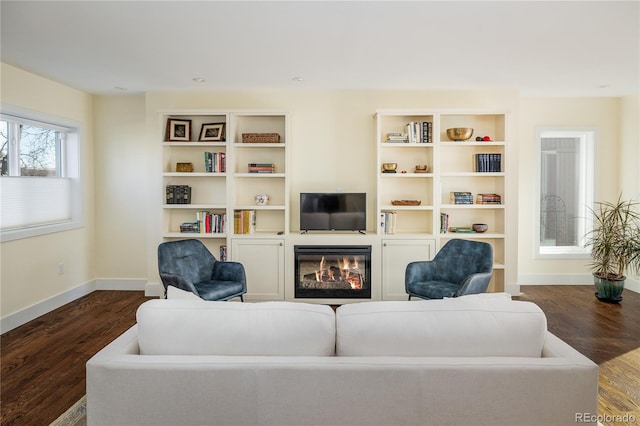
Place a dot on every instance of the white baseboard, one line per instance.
(32, 312)
(632, 284)
(154, 290)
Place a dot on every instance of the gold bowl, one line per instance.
(459, 133)
(389, 166)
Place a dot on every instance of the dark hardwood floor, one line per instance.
(43, 361)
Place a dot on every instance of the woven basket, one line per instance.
(260, 138)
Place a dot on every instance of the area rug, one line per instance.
(74, 416)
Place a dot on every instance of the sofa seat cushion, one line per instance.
(198, 327)
(486, 324)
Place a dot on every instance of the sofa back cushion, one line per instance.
(198, 327)
(487, 324)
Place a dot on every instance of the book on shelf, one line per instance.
(488, 199)
(397, 137)
(261, 168)
(211, 223)
(388, 222)
(419, 132)
(461, 197)
(215, 162)
(488, 163)
(244, 221)
(178, 194)
(444, 223)
(190, 227)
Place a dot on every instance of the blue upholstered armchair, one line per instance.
(460, 267)
(188, 265)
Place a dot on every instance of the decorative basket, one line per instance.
(260, 138)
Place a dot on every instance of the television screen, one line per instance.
(333, 211)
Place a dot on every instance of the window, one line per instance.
(39, 177)
(565, 191)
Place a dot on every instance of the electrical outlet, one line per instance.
(60, 268)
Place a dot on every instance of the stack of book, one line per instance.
(488, 199)
(261, 168)
(487, 163)
(461, 198)
(388, 222)
(397, 137)
(444, 223)
(190, 227)
(244, 221)
(215, 162)
(420, 132)
(211, 223)
(178, 194)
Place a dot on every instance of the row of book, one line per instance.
(261, 168)
(488, 163)
(178, 194)
(388, 222)
(210, 223)
(244, 221)
(215, 162)
(464, 197)
(415, 132)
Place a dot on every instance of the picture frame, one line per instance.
(212, 132)
(178, 130)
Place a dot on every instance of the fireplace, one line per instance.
(332, 272)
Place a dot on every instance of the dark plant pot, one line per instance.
(609, 290)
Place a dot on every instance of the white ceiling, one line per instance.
(541, 48)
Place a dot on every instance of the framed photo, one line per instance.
(212, 132)
(178, 130)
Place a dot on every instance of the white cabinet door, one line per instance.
(396, 254)
(263, 261)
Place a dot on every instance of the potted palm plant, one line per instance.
(615, 246)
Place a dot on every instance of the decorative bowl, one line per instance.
(460, 133)
(480, 227)
(389, 166)
(423, 168)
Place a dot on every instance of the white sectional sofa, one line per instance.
(475, 360)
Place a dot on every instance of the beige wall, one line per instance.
(29, 271)
(604, 115)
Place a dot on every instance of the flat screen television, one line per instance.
(340, 211)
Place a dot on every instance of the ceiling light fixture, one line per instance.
(199, 79)
(298, 79)
(122, 89)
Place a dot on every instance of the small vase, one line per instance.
(608, 290)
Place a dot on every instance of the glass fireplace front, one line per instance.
(333, 272)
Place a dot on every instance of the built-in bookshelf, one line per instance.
(212, 174)
(464, 182)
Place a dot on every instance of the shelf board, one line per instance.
(472, 174)
(471, 143)
(195, 206)
(260, 145)
(405, 145)
(472, 235)
(219, 144)
(405, 175)
(471, 206)
(254, 207)
(194, 174)
(392, 207)
(259, 175)
(192, 235)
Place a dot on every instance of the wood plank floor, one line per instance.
(43, 361)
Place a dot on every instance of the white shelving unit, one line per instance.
(452, 168)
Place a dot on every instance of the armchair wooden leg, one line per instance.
(409, 297)
(241, 298)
